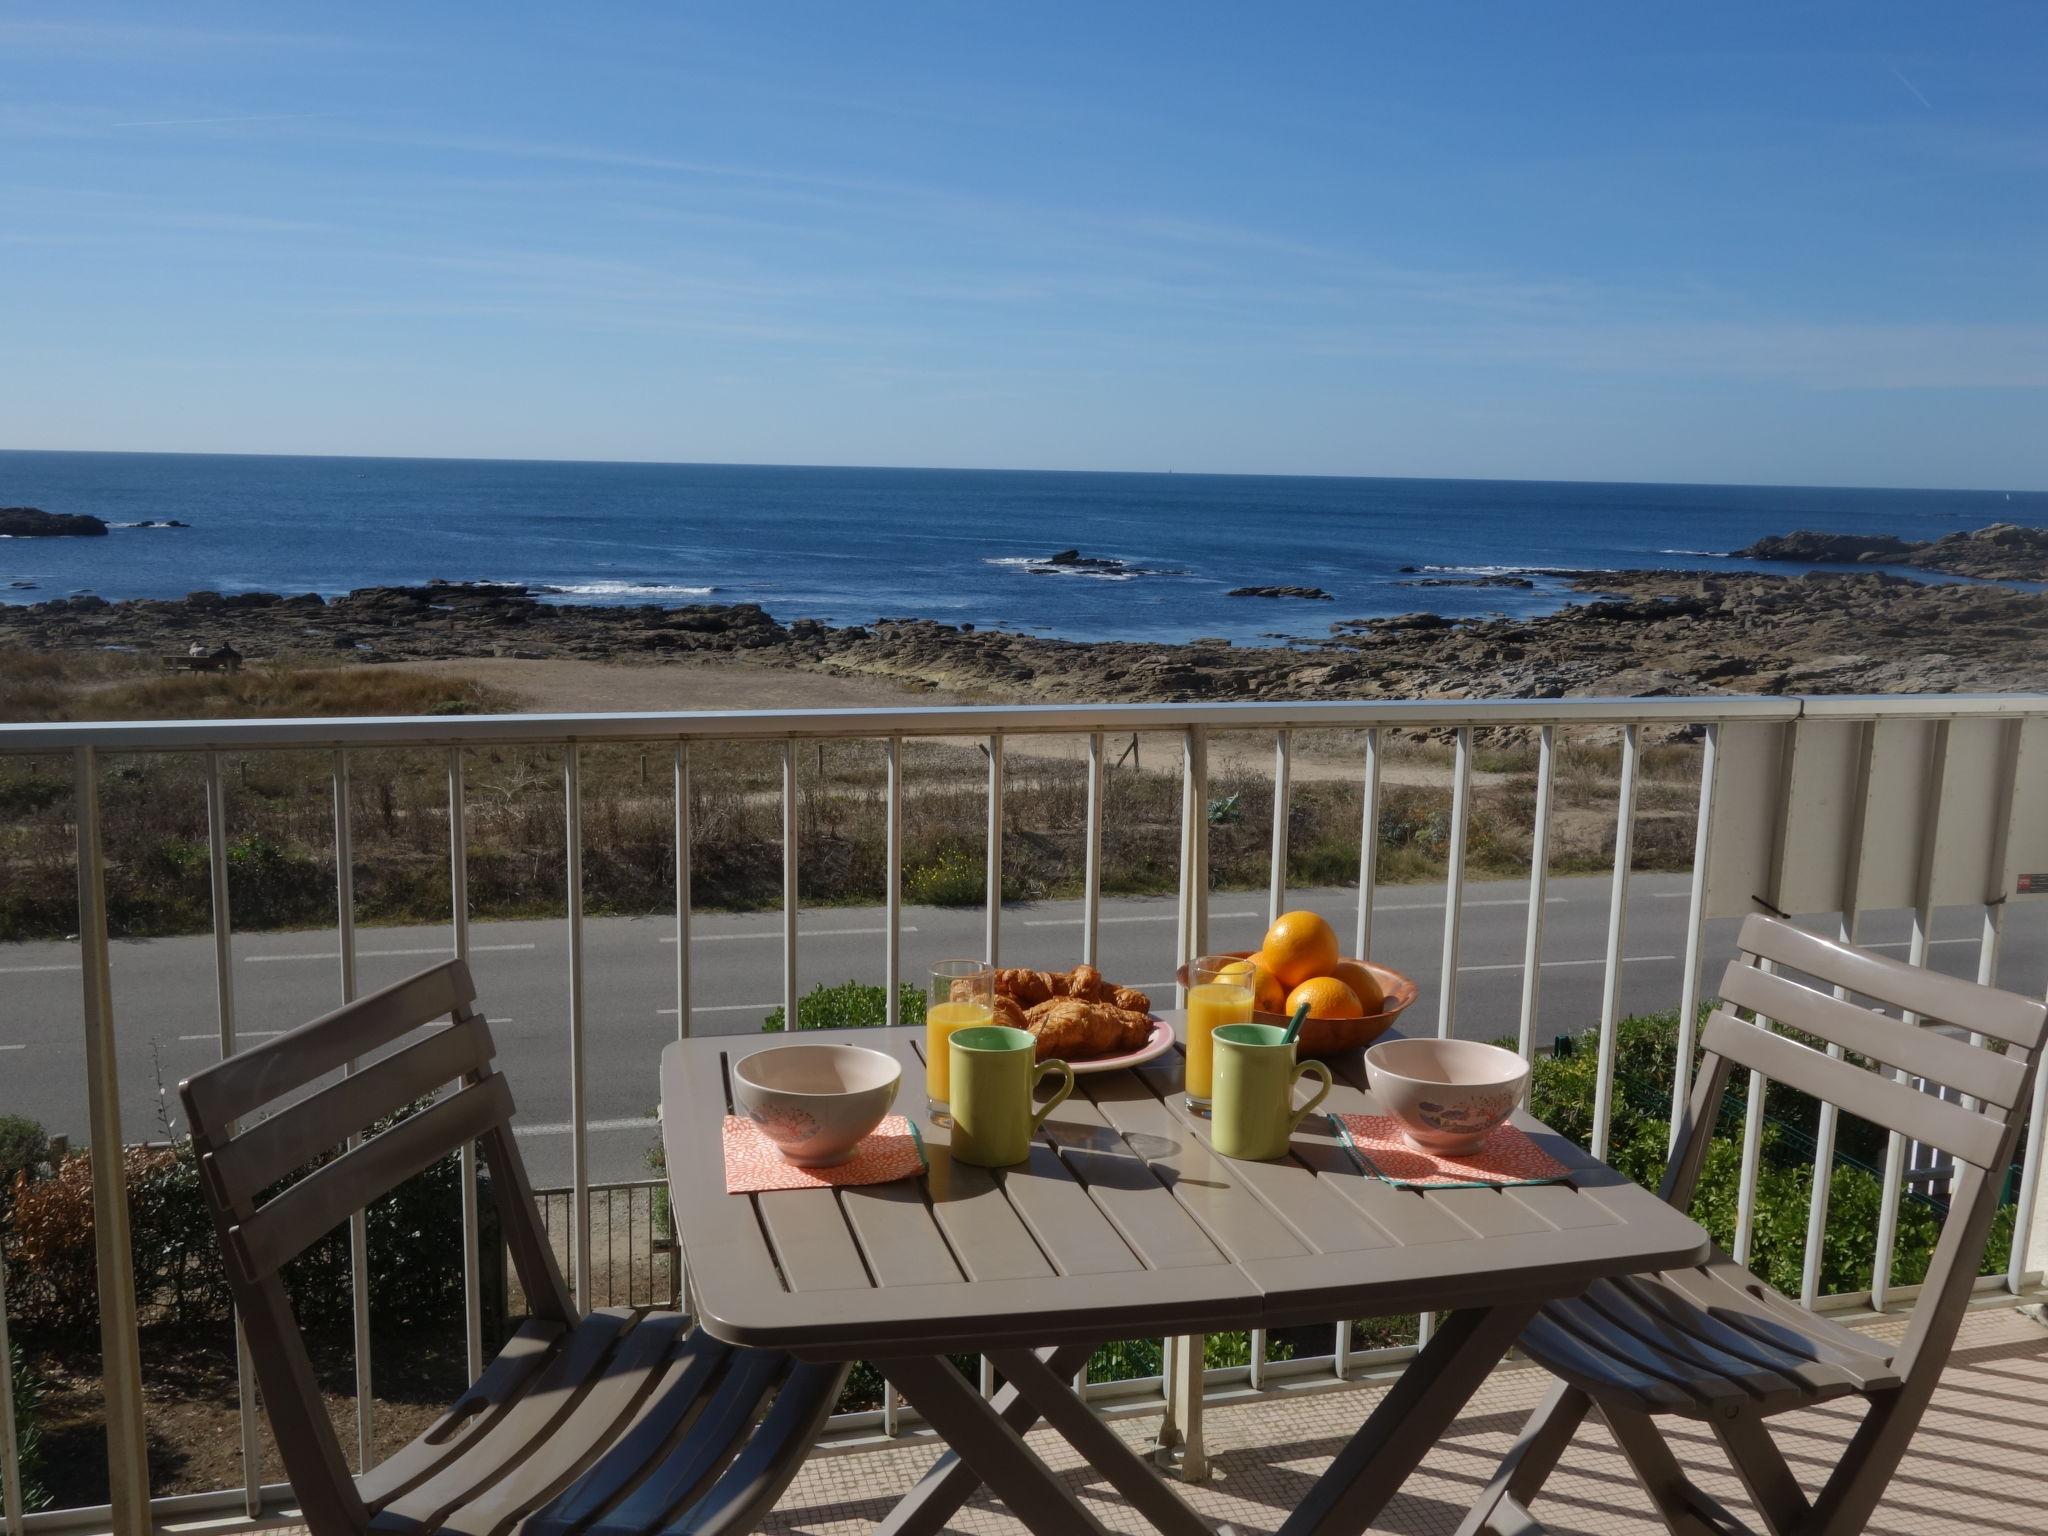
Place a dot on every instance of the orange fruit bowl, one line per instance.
(1333, 1037)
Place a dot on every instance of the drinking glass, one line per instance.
(1221, 994)
(963, 996)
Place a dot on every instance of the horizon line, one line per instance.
(1003, 469)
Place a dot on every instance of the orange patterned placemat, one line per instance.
(1508, 1157)
(754, 1164)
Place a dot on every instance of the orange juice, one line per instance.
(1211, 1003)
(940, 1020)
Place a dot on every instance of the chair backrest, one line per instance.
(1979, 1129)
(239, 1165)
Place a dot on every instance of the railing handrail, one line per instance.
(980, 719)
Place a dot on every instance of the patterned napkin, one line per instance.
(753, 1163)
(1508, 1157)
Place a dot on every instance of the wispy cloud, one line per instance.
(204, 122)
(1918, 95)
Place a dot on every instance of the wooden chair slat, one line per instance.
(327, 1196)
(2002, 1015)
(500, 1386)
(691, 1366)
(1962, 1133)
(748, 1488)
(602, 1412)
(250, 1079)
(1803, 1362)
(714, 1433)
(540, 1411)
(1694, 1344)
(265, 1152)
(1940, 1058)
(1707, 1386)
(1596, 1374)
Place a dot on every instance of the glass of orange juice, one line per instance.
(1221, 994)
(963, 995)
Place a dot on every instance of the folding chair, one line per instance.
(1717, 1344)
(625, 1421)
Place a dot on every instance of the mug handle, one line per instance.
(1309, 1068)
(1062, 1070)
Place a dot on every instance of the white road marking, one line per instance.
(13, 1047)
(24, 970)
(725, 1008)
(240, 1034)
(820, 933)
(643, 1123)
(1516, 965)
(385, 954)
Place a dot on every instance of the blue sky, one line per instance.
(1783, 243)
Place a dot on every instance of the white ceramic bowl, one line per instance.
(1448, 1095)
(816, 1102)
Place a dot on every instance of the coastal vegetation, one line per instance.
(280, 812)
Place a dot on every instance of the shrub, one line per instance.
(953, 878)
(28, 1436)
(23, 1147)
(850, 1005)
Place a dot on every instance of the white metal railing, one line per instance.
(1757, 787)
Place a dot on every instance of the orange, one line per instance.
(1327, 998)
(1372, 997)
(1268, 996)
(1298, 946)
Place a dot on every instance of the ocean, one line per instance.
(851, 545)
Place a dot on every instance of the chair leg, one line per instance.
(1685, 1509)
(1761, 1466)
(1851, 1494)
(1502, 1509)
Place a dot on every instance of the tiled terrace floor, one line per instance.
(1979, 1465)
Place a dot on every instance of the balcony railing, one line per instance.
(1824, 805)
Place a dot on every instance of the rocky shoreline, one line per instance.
(1641, 633)
(1996, 552)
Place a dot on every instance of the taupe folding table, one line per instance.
(1125, 1224)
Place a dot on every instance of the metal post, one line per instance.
(1368, 856)
(789, 885)
(1617, 927)
(358, 1223)
(1539, 890)
(1454, 882)
(1695, 936)
(995, 850)
(1198, 907)
(224, 1002)
(1091, 878)
(120, 1351)
(1283, 787)
(10, 1464)
(682, 776)
(458, 915)
(579, 1138)
(893, 900)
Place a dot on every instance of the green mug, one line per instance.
(1252, 1113)
(994, 1079)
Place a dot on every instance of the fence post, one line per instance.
(120, 1350)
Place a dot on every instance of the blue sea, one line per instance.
(852, 545)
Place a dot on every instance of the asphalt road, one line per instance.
(167, 1021)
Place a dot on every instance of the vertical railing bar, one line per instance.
(1368, 852)
(1091, 878)
(10, 1461)
(892, 1424)
(579, 1138)
(1184, 925)
(1198, 935)
(1340, 1351)
(120, 1344)
(1695, 936)
(1283, 794)
(1617, 931)
(458, 903)
(224, 999)
(1821, 1192)
(789, 885)
(892, 900)
(1255, 1365)
(684, 1022)
(987, 1378)
(1916, 955)
(1539, 890)
(995, 849)
(2030, 1185)
(1454, 882)
(358, 1222)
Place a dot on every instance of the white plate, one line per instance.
(1160, 1043)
